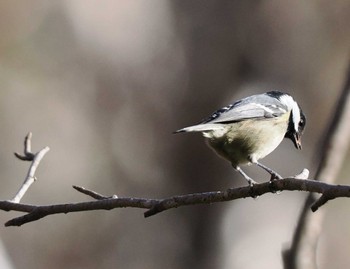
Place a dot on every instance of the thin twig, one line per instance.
(93, 194)
(156, 206)
(28, 155)
(35, 159)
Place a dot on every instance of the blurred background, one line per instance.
(104, 84)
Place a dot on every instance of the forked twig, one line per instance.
(35, 159)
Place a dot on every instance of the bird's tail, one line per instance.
(200, 128)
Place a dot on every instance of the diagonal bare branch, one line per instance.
(302, 252)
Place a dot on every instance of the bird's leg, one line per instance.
(251, 182)
(274, 175)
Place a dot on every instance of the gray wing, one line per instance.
(255, 106)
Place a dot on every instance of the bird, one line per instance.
(251, 128)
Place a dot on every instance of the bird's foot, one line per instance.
(251, 182)
(272, 185)
(275, 176)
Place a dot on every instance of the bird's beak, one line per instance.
(297, 140)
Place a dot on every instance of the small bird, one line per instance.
(251, 128)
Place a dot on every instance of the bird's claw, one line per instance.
(251, 182)
(275, 176)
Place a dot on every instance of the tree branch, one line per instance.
(156, 206)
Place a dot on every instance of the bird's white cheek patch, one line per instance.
(293, 106)
(296, 116)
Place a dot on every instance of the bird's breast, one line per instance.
(248, 140)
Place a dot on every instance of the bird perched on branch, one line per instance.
(251, 128)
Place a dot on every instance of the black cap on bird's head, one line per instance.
(296, 128)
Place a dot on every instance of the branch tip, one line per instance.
(91, 193)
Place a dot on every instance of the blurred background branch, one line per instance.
(303, 251)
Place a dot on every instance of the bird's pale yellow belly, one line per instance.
(249, 140)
